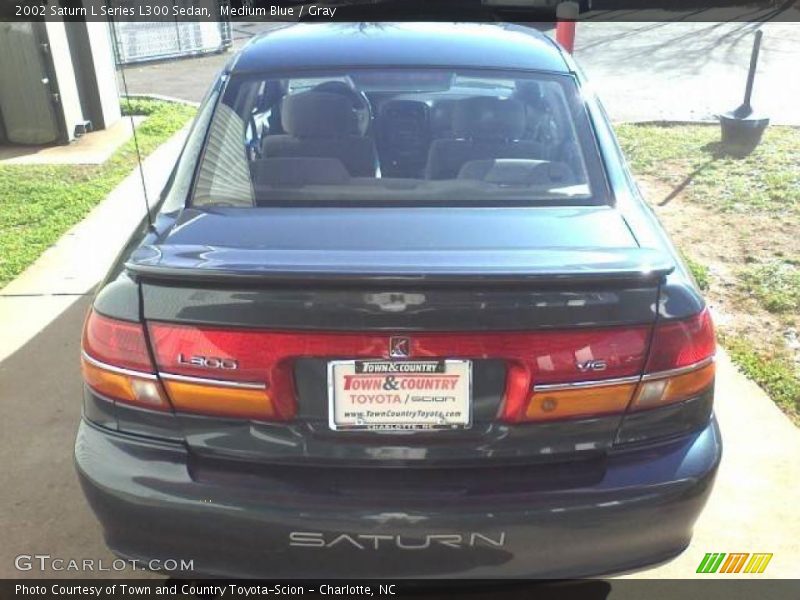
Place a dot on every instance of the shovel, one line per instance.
(742, 128)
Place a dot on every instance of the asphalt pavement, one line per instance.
(189, 78)
(690, 71)
(44, 511)
(642, 71)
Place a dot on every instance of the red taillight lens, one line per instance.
(681, 343)
(118, 343)
(116, 363)
(227, 373)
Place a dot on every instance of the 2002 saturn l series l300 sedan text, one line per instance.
(401, 312)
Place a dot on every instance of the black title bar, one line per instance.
(393, 10)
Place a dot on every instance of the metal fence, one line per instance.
(158, 40)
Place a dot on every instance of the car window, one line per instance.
(408, 136)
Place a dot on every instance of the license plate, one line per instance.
(408, 395)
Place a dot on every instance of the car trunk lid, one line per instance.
(529, 296)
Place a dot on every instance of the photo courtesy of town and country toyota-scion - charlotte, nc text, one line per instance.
(201, 590)
(169, 9)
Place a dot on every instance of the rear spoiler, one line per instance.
(179, 263)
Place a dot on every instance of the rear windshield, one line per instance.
(399, 136)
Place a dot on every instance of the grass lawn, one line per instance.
(690, 158)
(737, 223)
(38, 203)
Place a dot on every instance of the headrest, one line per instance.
(317, 115)
(336, 87)
(529, 92)
(488, 118)
(298, 171)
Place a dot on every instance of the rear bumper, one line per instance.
(153, 506)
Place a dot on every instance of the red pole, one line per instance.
(566, 14)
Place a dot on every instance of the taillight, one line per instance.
(550, 375)
(681, 343)
(116, 364)
(221, 398)
(681, 362)
(253, 377)
(548, 403)
(680, 366)
(118, 343)
(675, 396)
(659, 389)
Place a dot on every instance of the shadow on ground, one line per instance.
(44, 511)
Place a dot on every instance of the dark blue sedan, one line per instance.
(400, 312)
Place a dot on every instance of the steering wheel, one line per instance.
(362, 109)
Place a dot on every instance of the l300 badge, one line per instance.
(208, 362)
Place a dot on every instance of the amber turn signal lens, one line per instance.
(549, 405)
(144, 390)
(220, 400)
(669, 390)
